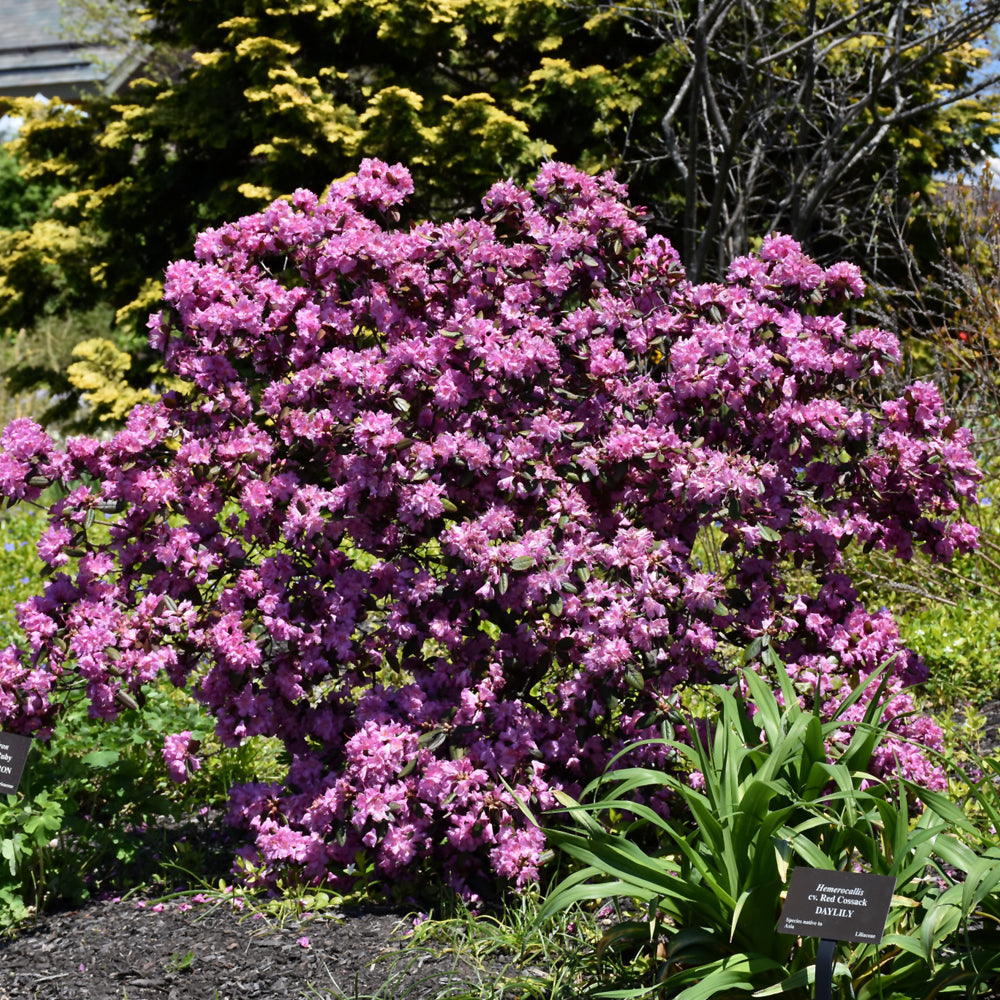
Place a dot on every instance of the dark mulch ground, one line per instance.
(989, 741)
(111, 951)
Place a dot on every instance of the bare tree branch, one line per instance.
(787, 116)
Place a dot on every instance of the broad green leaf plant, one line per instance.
(755, 793)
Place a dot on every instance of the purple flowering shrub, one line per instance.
(454, 503)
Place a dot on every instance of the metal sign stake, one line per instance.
(824, 969)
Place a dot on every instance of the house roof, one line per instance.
(38, 56)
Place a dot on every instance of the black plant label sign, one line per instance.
(838, 906)
(13, 754)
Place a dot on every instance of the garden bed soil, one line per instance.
(117, 950)
(989, 741)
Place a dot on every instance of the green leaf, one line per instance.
(738, 972)
(431, 740)
(802, 979)
(100, 758)
(9, 848)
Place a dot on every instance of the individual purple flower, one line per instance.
(178, 754)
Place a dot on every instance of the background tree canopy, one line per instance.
(728, 120)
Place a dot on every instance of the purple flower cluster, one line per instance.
(450, 504)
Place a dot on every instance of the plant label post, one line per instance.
(835, 906)
(13, 754)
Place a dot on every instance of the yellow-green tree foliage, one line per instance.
(99, 373)
(681, 96)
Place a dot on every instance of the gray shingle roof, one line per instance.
(37, 57)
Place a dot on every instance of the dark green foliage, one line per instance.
(22, 201)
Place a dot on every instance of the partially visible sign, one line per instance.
(13, 754)
(839, 906)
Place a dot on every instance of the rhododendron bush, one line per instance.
(449, 504)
